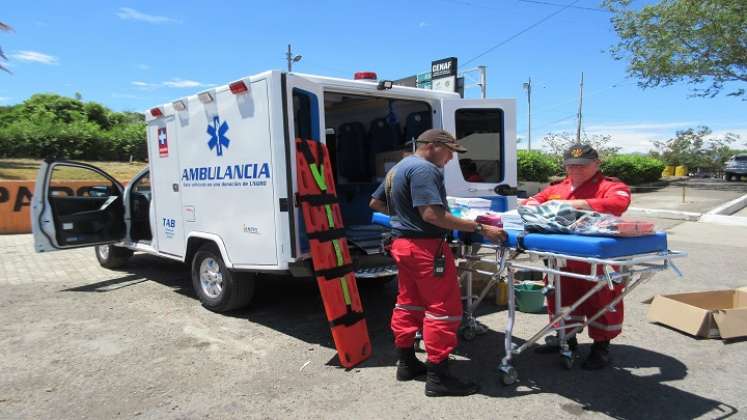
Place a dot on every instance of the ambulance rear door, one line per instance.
(487, 128)
(305, 108)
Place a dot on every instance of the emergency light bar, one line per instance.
(238, 87)
(179, 105)
(156, 112)
(205, 97)
(365, 75)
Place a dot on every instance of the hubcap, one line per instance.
(211, 279)
(103, 251)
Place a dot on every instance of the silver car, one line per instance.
(736, 167)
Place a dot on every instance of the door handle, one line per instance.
(175, 187)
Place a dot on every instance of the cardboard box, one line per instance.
(712, 314)
(386, 160)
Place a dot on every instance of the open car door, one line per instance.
(75, 205)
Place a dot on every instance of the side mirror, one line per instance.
(505, 190)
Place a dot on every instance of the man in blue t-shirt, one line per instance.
(414, 194)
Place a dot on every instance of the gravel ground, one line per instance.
(79, 341)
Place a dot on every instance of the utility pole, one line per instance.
(528, 87)
(483, 81)
(291, 59)
(580, 105)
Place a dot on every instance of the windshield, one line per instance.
(740, 158)
(481, 132)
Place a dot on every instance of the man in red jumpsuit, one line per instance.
(585, 188)
(429, 298)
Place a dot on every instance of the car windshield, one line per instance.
(740, 158)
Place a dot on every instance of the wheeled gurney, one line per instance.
(629, 261)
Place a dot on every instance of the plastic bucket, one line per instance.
(529, 297)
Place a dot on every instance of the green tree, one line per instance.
(702, 42)
(48, 124)
(4, 28)
(696, 149)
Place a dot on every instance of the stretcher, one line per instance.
(629, 261)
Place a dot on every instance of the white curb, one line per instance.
(731, 207)
(720, 219)
(668, 214)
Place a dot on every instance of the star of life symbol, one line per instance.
(163, 142)
(217, 131)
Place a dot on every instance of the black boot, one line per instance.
(440, 383)
(555, 348)
(408, 366)
(599, 358)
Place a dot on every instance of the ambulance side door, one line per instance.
(76, 205)
(168, 229)
(487, 128)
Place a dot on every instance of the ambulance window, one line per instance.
(481, 132)
(73, 181)
(302, 114)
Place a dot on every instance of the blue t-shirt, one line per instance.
(416, 182)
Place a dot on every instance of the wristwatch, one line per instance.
(478, 228)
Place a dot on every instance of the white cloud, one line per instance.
(35, 57)
(423, 24)
(173, 83)
(127, 13)
(179, 83)
(643, 126)
(4, 98)
(143, 67)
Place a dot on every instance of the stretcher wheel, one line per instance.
(468, 334)
(568, 361)
(508, 375)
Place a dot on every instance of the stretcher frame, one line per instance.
(631, 270)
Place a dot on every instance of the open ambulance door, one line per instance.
(76, 205)
(305, 105)
(487, 128)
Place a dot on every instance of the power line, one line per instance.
(547, 3)
(516, 35)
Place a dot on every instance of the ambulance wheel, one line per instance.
(219, 289)
(111, 256)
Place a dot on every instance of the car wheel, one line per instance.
(111, 256)
(219, 289)
(728, 177)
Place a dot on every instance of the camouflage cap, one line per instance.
(436, 135)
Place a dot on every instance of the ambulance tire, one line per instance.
(219, 289)
(111, 256)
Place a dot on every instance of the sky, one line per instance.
(132, 55)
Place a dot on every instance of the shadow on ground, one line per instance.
(634, 387)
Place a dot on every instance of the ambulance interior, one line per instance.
(367, 135)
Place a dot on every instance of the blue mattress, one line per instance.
(577, 245)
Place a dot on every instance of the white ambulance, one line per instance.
(219, 190)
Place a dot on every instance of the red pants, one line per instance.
(607, 326)
(424, 301)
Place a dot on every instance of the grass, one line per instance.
(26, 169)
